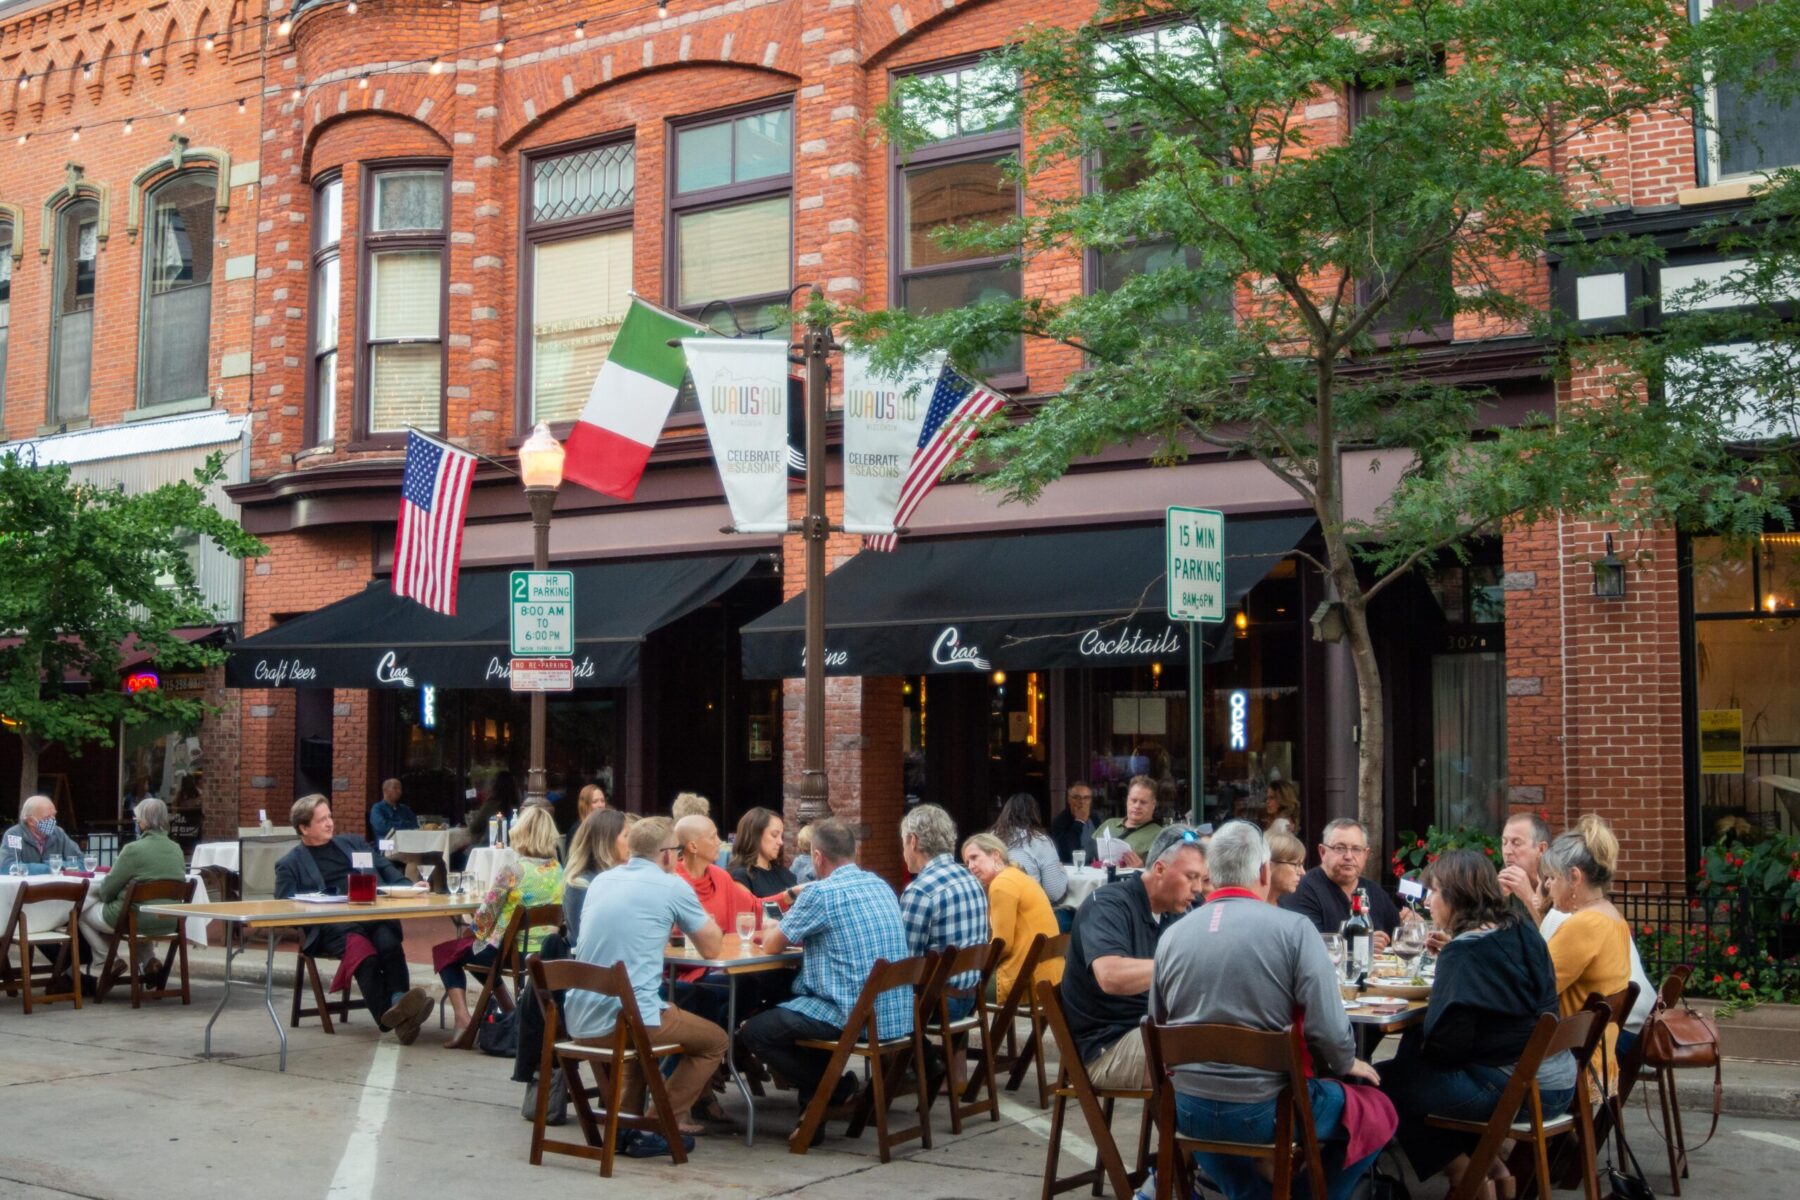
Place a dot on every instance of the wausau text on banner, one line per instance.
(882, 417)
(742, 387)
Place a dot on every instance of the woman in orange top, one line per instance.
(1018, 910)
(1592, 948)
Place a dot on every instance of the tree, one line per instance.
(88, 573)
(1354, 176)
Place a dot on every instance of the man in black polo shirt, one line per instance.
(322, 863)
(1112, 953)
(1323, 896)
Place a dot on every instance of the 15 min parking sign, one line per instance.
(1195, 540)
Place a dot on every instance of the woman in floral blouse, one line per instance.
(534, 878)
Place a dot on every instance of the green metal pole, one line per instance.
(1196, 722)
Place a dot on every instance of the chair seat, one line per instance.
(39, 939)
(886, 1046)
(1552, 1125)
(605, 1053)
(1106, 1093)
(959, 1026)
(1244, 1148)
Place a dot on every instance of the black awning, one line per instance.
(1028, 601)
(377, 640)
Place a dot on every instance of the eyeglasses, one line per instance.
(1346, 850)
(670, 850)
(1296, 863)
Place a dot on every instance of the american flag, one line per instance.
(958, 404)
(434, 495)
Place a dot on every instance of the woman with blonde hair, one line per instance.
(1282, 804)
(1287, 863)
(534, 878)
(1592, 947)
(598, 844)
(1018, 910)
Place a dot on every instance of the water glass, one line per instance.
(17, 868)
(746, 926)
(1334, 949)
(55, 864)
(1080, 857)
(454, 881)
(91, 862)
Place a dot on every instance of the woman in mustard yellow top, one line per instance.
(1018, 910)
(1592, 947)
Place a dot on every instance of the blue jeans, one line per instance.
(1421, 1088)
(1233, 1121)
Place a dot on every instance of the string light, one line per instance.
(500, 46)
(297, 94)
(285, 27)
(24, 82)
(580, 30)
(23, 138)
(75, 134)
(662, 8)
(87, 70)
(351, 8)
(437, 67)
(181, 117)
(145, 56)
(363, 83)
(208, 43)
(241, 105)
(127, 126)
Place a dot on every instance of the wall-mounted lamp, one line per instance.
(1609, 575)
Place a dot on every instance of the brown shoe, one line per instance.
(407, 1015)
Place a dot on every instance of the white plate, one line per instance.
(401, 889)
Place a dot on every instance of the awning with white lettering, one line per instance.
(1027, 601)
(375, 639)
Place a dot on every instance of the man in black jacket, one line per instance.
(1323, 896)
(323, 862)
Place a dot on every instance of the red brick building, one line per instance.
(451, 206)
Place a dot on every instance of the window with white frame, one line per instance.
(403, 248)
(579, 235)
(322, 329)
(176, 322)
(72, 310)
(1751, 132)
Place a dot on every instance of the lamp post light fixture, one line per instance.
(541, 468)
(1609, 575)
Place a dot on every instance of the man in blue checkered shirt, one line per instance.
(845, 921)
(944, 907)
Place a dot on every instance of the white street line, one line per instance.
(354, 1178)
(1774, 1139)
(1038, 1121)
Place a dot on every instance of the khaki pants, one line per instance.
(702, 1050)
(1121, 1065)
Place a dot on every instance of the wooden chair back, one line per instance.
(628, 1044)
(1277, 1052)
(137, 893)
(982, 961)
(1074, 1083)
(510, 960)
(73, 892)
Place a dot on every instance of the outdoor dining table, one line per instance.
(736, 958)
(1085, 881)
(216, 854)
(50, 914)
(1387, 1020)
(270, 915)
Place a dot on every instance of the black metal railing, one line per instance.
(1763, 799)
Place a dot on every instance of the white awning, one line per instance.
(211, 427)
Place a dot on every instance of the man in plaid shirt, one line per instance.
(944, 907)
(846, 921)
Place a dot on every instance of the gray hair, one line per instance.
(1237, 855)
(1337, 823)
(932, 827)
(152, 815)
(35, 805)
(1171, 839)
(1540, 828)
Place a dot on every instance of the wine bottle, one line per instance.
(1359, 941)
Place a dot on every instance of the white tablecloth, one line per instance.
(216, 854)
(430, 841)
(485, 862)
(54, 914)
(1085, 881)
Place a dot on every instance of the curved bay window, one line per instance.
(72, 310)
(579, 251)
(177, 293)
(1744, 712)
(403, 258)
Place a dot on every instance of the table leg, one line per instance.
(731, 1067)
(231, 948)
(269, 1000)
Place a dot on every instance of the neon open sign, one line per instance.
(142, 681)
(1239, 736)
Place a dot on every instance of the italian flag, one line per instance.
(630, 401)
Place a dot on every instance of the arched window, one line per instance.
(7, 234)
(72, 310)
(174, 345)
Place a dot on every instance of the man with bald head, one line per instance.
(722, 898)
(36, 838)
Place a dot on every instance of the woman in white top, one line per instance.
(1030, 847)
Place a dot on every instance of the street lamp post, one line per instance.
(541, 467)
(815, 792)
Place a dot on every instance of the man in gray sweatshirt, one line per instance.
(1239, 960)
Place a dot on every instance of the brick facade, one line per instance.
(1594, 694)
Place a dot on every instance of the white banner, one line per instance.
(882, 418)
(742, 387)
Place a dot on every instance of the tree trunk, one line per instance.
(1371, 745)
(30, 746)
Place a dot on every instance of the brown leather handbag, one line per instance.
(1681, 1039)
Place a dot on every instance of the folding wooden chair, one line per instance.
(1616, 1007)
(983, 960)
(885, 1057)
(1073, 1083)
(66, 940)
(628, 1043)
(151, 982)
(1577, 1034)
(1668, 997)
(1278, 1052)
(493, 976)
(1003, 1030)
(306, 967)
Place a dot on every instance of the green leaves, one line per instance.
(88, 573)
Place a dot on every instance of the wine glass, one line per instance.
(426, 870)
(746, 926)
(1409, 941)
(1334, 950)
(1080, 857)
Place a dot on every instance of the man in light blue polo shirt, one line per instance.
(626, 919)
(845, 921)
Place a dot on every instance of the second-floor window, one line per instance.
(177, 294)
(579, 235)
(322, 330)
(960, 179)
(6, 274)
(72, 310)
(403, 253)
(1752, 132)
(1416, 308)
